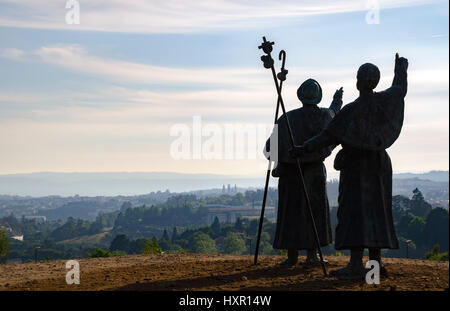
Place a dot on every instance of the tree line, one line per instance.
(178, 225)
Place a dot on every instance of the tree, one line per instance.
(234, 244)
(250, 196)
(435, 254)
(402, 224)
(177, 249)
(3, 243)
(174, 235)
(120, 243)
(265, 245)
(436, 228)
(136, 246)
(415, 229)
(202, 243)
(252, 228)
(238, 199)
(151, 247)
(106, 219)
(417, 195)
(95, 228)
(125, 206)
(216, 226)
(418, 206)
(400, 205)
(165, 236)
(164, 242)
(98, 253)
(238, 224)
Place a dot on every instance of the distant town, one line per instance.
(434, 186)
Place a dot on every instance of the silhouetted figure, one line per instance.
(294, 230)
(365, 128)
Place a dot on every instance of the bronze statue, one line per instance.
(293, 230)
(365, 128)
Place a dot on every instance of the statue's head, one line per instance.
(310, 92)
(368, 77)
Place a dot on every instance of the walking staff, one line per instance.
(267, 59)
(281, 76)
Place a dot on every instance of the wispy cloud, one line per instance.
(440, 35)
(124, 120)
(13, 54)
(75, 58)
(212, 91)
(175, 16)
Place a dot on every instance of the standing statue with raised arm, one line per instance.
(294, 231)
(365, 128)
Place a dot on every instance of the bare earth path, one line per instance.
(214, 272)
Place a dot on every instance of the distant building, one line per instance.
(17, 237)
(37, 218)
(229, 213)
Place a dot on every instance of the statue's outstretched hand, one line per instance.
(401, 63)
(297, 151)
(338, 93)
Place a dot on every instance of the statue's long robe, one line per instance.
(293, 229)
(365, 128)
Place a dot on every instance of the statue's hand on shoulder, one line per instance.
(401, 63)
(338, 94)
(297, 151)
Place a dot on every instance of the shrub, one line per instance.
(98, 253)
(234, 244)
(118, 253)
(203, 244)
(177, 249)
(434, 254)
(151, 247)
(3, 244)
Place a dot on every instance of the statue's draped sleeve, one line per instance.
(372, 122)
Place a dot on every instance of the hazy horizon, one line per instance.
(137, 183)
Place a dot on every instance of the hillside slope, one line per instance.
(214, 272)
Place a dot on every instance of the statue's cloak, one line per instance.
(294, 229)
(365, 128)
(372, 122)
(306, 122)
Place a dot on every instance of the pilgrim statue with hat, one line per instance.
(365, 128)
(294, 230)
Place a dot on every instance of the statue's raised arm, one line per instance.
(400, 84)
(336, 104)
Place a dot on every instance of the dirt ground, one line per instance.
(215, 272)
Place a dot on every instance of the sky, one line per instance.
(106, 94)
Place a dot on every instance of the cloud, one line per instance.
(176, 16)
(13, 54)
(125, 125)
(243, 93)
(441, 35)
(75, 58)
